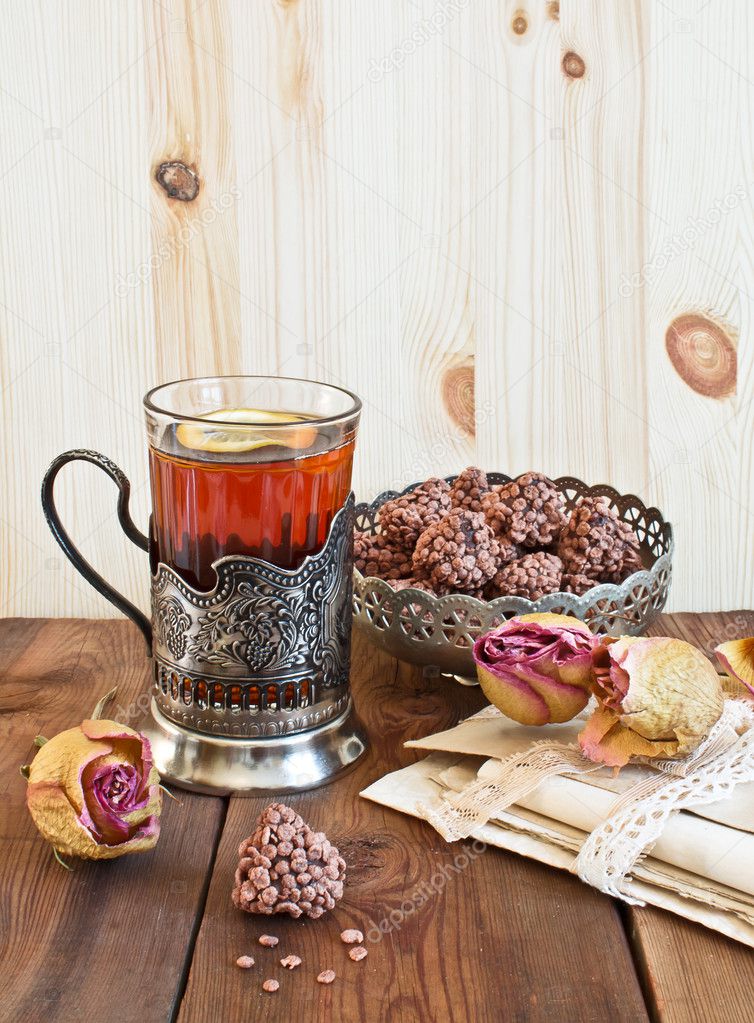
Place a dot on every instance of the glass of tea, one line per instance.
(257, 466)
(250, 549)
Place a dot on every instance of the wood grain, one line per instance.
(697, 194)
(501, 938)
(684, 968)
(494, 942)
(603, 367)
(518, 243)
(75, 350)
(107, 940)
(740, 426)
(689, 974)
(195, 284)
(483, 217)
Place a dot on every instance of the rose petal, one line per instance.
(549, 618)
(514, 698)
(120, 734)
(118, 786)
(103, 728)
(737, 659)
(563, 701)
(63, 759)
(604, 740)
(105, 825)
(57, 820)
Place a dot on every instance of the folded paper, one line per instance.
(700, 861)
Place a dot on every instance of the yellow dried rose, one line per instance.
(657, 697)
(94, 793)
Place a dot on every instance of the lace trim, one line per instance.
(636, 820)
(504, 783)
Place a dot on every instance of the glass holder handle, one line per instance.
(124, 517)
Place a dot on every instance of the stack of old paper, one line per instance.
(700, 861)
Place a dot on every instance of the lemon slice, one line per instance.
(249, 434)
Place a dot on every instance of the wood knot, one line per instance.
(178, 180)
(458, 396)
(519, 23)
(703, 355)
(573, 65)
(553, 9)
(366, 855)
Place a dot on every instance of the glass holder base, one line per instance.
(221, 766)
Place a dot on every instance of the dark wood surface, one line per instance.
(155, 937)
(107, 941)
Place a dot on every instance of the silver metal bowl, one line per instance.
(439, 632)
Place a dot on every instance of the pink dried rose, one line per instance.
(657, 697)
(94, 793)
(536, 668)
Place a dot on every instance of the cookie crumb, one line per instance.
(270, 985)
(290, 962)
(245, 962)
(351, 936)
(326, 977)
(268, 940)
(357, 953)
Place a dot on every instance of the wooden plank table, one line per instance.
(154, 937)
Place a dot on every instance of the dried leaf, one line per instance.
(99, 710)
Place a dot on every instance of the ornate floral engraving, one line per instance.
(171, 624)
(261, 626)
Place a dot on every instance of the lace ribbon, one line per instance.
(504, 783)
(636, 820)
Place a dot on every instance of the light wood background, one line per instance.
(482, 216)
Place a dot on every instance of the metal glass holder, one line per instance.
(250, 686)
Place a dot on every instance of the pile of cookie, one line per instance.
(515, 539)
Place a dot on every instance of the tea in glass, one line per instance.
(239, 480)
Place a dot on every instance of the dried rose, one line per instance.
(737, 660)
(536, 668)
(94, 793)
(657, 697)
